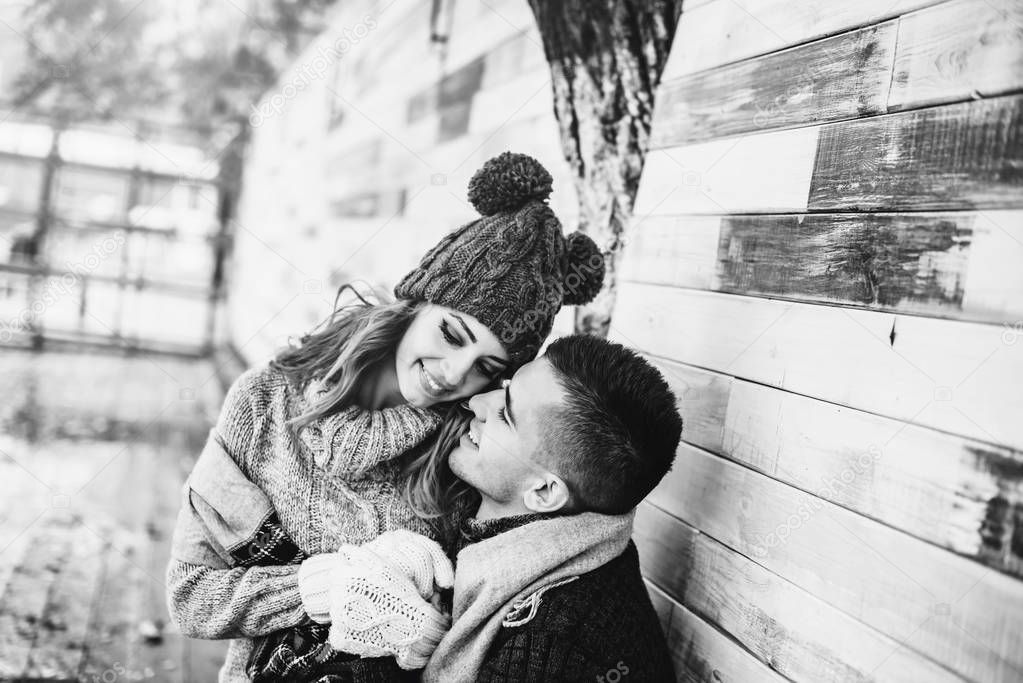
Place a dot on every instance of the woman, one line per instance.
(337, 432)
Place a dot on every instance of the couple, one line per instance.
(317, 524)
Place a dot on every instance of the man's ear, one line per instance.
(548, 493)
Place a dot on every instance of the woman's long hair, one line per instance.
(430, 487)
(344, 351)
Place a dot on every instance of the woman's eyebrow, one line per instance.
(466, 327)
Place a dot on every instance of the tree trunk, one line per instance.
(606, 58)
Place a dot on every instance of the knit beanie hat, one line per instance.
(512, 269)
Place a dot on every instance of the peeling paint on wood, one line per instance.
(957, 51)
(881, 262)
(911, 591)
(724, 31)
(932, 485)
(837, 78)
(962, 265)
(960, 377)
(796, 634)
(960, 156)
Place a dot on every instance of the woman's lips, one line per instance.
(431, 385)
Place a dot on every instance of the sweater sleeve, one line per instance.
(205, 597)
(233, 603)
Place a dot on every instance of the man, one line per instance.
(547, 582)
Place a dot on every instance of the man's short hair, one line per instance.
(616, 435)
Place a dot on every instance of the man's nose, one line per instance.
(479, 404)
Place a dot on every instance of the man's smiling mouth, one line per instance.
(472, 434)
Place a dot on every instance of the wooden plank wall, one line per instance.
(360, 160)
(825, 261)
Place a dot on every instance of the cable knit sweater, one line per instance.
(336, 484)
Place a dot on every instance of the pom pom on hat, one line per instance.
(512, 269)
(507, 182)
(585, 274)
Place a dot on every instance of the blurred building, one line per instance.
(361, 154)
(12, 52)
(105, 237)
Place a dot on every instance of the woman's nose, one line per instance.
(454, 371)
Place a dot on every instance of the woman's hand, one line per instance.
(380, 598)
(421, 559)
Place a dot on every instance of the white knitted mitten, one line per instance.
(418, 557)
(379, 598)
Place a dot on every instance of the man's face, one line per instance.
(497, 455)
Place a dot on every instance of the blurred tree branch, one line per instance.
(200, 64)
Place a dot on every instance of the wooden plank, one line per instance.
(957, 51)
(945, 607)
(10, 559)
(451, 97)
(662, 604)
(957, 493)
(724, 31)
(842, 77)
(523, 96)
(461, 85)
(959, 156)
(765, 172)
(26, 596)
(164, 655)
(955, 157)
(702, 654)
(454, 121)
(498, 20)
(114, 642)
(519, 54)
(954, 376)
(59, 646)
(793, 632)
(962, 265)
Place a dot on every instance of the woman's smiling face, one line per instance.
(446, 355)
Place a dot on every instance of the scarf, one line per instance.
(498, 577)
(354, 440)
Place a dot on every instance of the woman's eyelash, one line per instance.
(451, 338)
(500, 415)
(488, 371)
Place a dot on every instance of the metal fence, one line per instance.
(107, 239)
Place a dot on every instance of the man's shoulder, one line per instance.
(614, 588)
(601, 620)
(599, 624)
